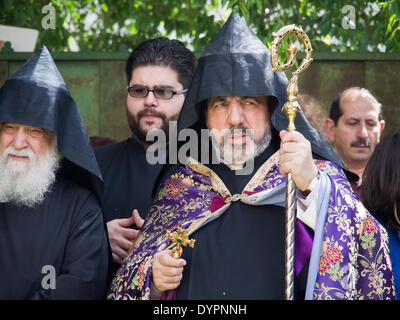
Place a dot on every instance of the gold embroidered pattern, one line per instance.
(262, 172)
(216, 181)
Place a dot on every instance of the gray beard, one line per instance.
(238, 155)
(27, 184)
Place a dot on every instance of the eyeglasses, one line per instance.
(138, 91)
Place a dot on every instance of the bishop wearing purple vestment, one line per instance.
(234, 208)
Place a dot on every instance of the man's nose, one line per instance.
(151, 100)
(236, 114)
(362, 131)
(20, 139)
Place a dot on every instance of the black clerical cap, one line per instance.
(237, 63)
(36, 95)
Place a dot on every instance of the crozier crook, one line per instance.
(291, 108)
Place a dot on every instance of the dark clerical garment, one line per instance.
(62, 237)
(128, 181)
(57, 249)
(243, 237)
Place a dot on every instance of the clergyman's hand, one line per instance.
(167, 271)
(296, 158)
(121, 236)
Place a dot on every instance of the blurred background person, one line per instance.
(354, 128)
(313, 112)
(381, 194)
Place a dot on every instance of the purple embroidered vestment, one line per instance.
(352, 259)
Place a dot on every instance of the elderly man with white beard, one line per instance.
(28, 163)
(53, 241)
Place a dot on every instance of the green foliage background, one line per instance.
(119, 25)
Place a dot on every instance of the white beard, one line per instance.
(26, 184)
(239, 154)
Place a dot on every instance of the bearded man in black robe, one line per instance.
(158, 74)
(53, 241)
(234, 208)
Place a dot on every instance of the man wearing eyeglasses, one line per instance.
(158, 74)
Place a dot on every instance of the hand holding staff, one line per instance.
(291, 108)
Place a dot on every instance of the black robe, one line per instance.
(242, 239)
(231, 249)
(66, 233)
(240, 254)
(128, 181)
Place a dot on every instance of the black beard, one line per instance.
(138, 131)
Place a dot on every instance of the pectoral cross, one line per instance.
(180, 238)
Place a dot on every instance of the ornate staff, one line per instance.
(291, 108)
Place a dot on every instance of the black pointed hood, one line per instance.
(36, 95)
(237, 63)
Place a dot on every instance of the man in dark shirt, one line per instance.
(158, 73)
